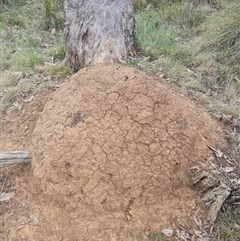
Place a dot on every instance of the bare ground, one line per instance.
(111, 149)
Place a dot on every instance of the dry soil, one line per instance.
(110, 153)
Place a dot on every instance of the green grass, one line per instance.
(26, 59)
(196, 44)
(229, 225)
(59, 70)
(51, 13)
(221, 33)
(157, 236)
(32, 47)
(154, 37)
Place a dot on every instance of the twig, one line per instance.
(132, 77)
(232, 200)
(181, 227)
(215, 152)
(218, 234)
(229, 82)
(28, 100)
(211, 229)
(4, 182)
(226, 175)
(54, 86)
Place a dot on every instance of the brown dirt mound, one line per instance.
(111, 150)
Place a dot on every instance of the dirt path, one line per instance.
(111, 149)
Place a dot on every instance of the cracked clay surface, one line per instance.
(110, 151)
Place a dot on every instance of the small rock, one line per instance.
(4, 197)
(167, 232)
(34, 219)
(218, 116)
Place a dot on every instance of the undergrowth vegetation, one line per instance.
(32, 49)
(229, 225)
(196, 44)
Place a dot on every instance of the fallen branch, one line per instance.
(15, 157)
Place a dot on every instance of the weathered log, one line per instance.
(98, 31)
(15, 157)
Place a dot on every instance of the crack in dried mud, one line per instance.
(111, 154)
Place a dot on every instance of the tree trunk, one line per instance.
(98, 31)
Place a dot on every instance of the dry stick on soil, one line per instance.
(216, 154)
(15, 157)
(218, 233)
(4, 182)
(181, 227)
(232, 200)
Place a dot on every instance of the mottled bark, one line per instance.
(98, 31)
